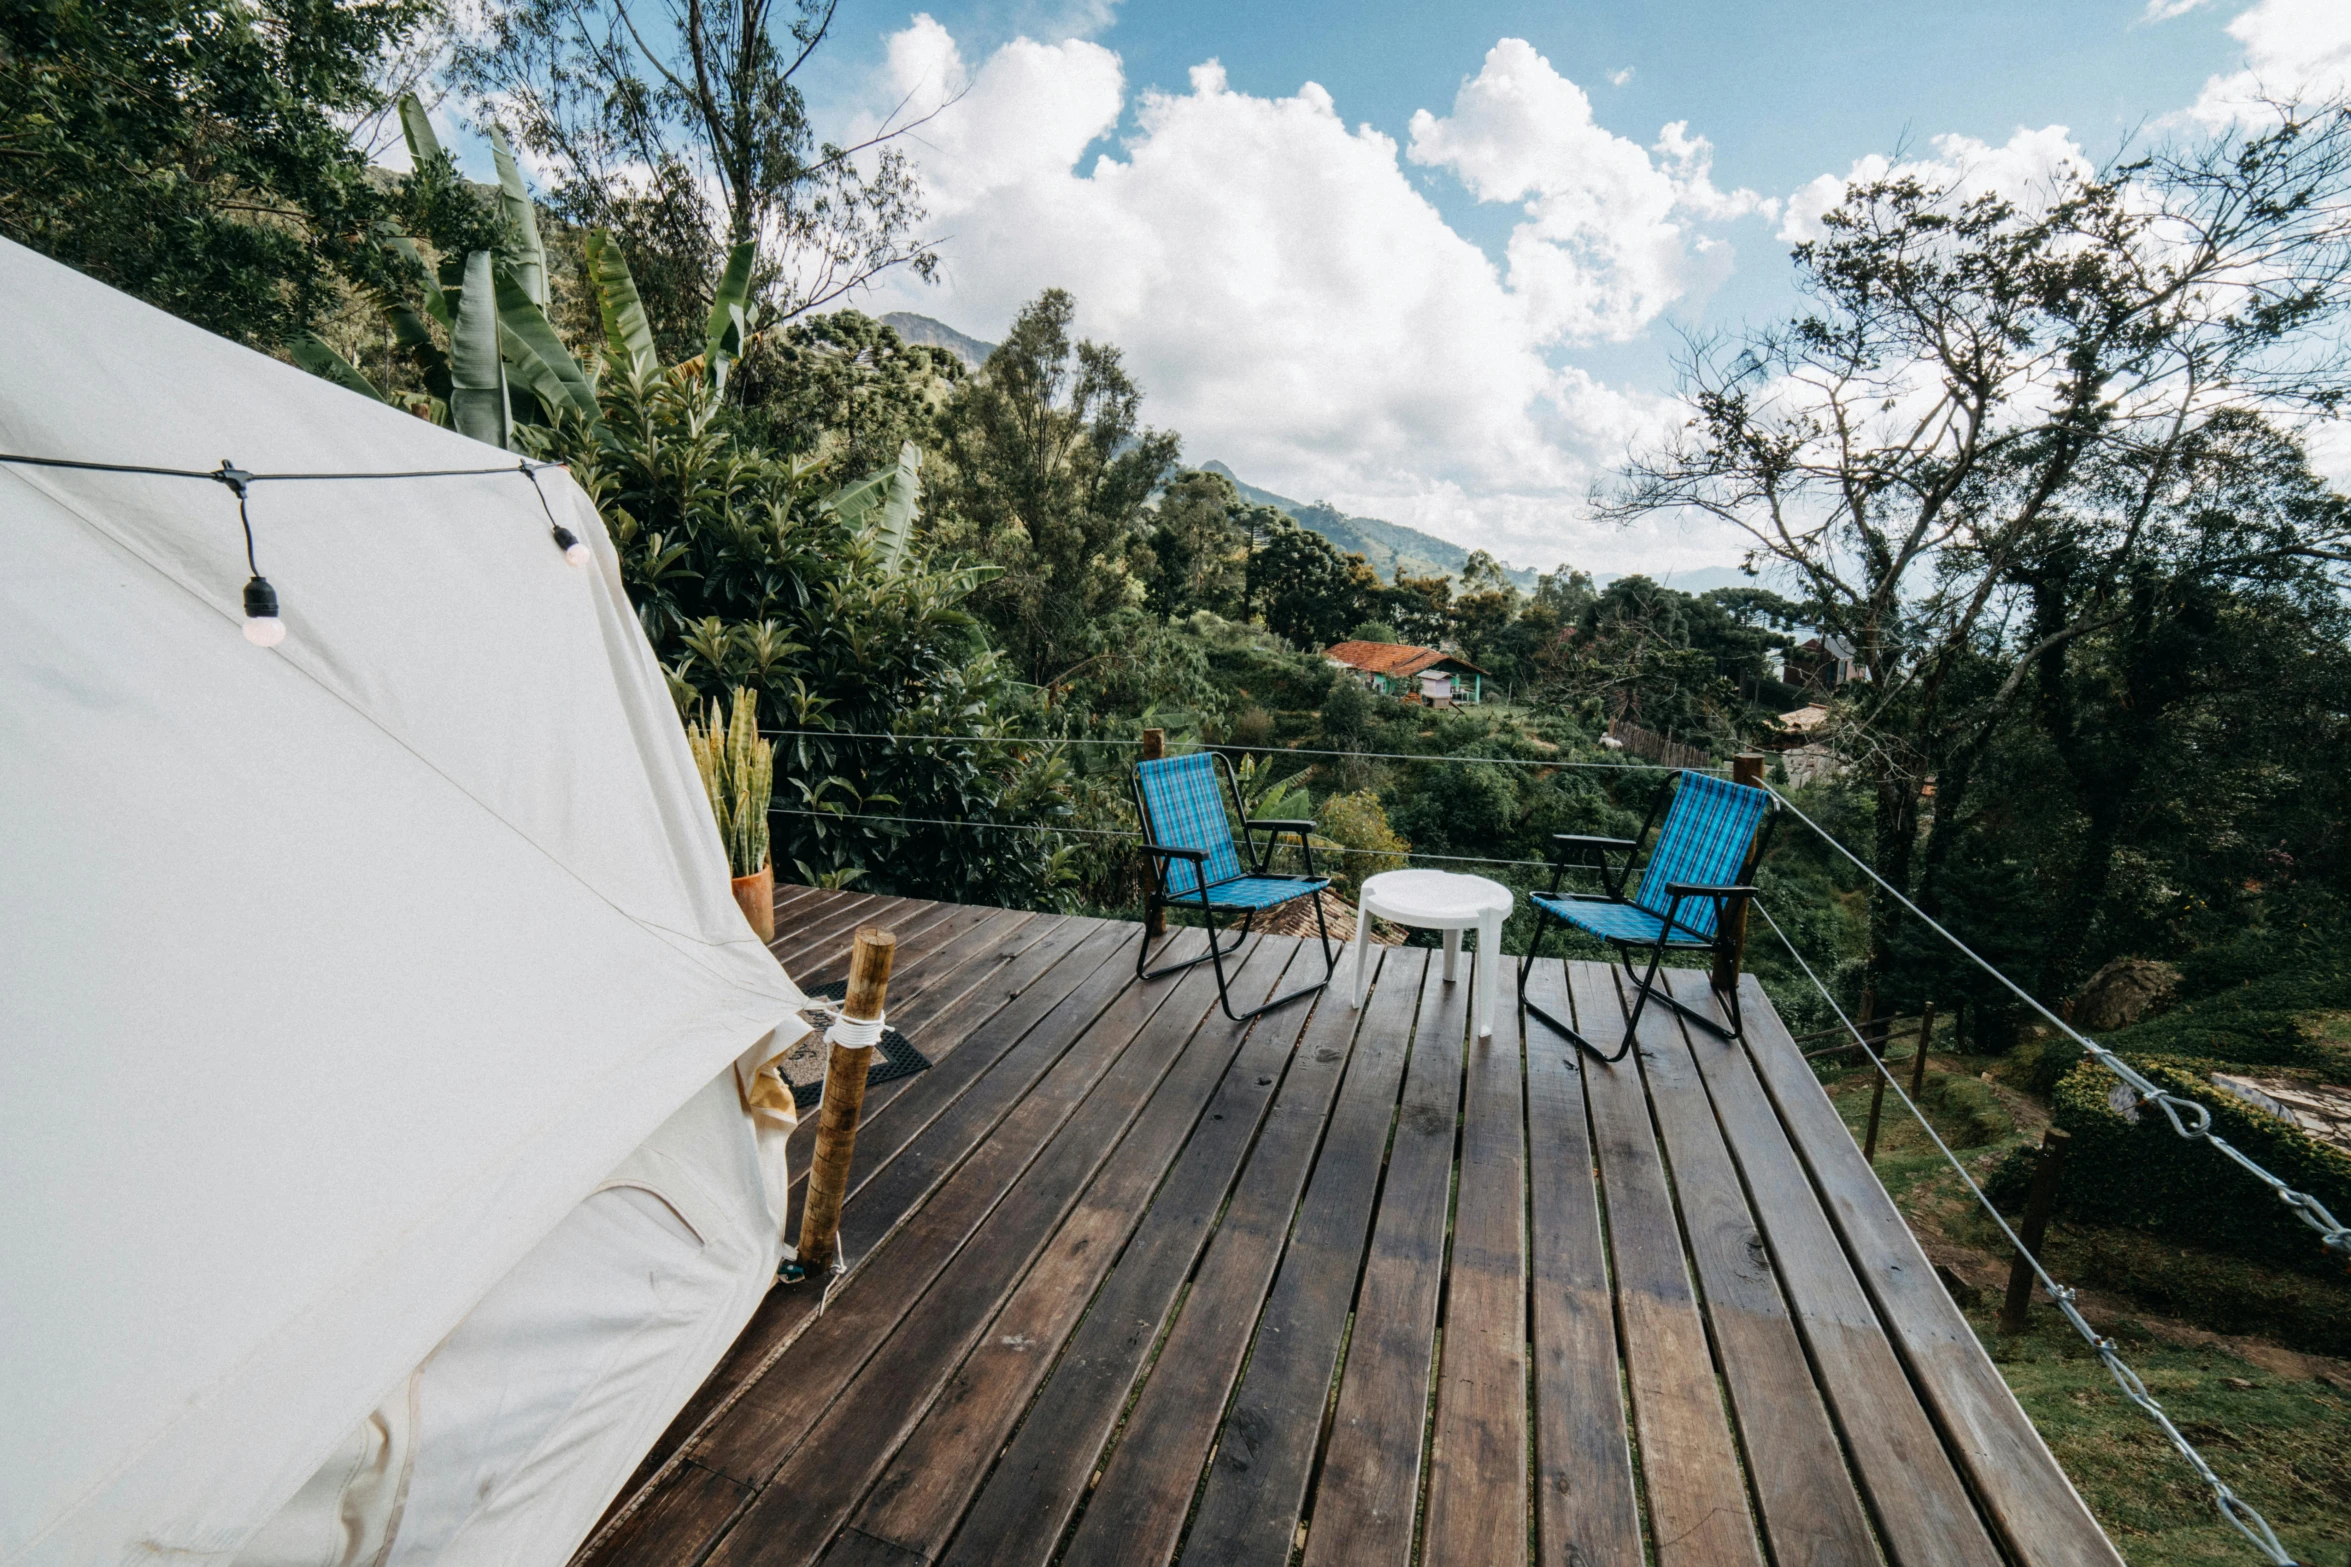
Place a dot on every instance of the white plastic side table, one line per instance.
(1437, 900)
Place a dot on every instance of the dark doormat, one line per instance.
(803, 1065)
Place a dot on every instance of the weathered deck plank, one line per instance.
(2027, 1497)
(1370, 1490)
(1477, 1506)
(1922, 1507)
(1586, 1508)
(1809, 1508)
(1265, 1454)
(813, 1491)
(914, 1507)
(1133, 1283)
(1148, 1482)
(1021, 1510)
(1689, 1459)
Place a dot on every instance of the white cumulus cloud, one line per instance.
(2020, 168)
(2294, 50)
(1608, 243)
(1293, 302)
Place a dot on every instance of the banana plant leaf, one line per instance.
(417, 126)
(526, 258)
(534, 354)
(477, 372)
(312, 354)
(625, 324)
(730, 314)
(885, 501)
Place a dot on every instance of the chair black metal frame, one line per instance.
(1155, 898)
(1672, 934)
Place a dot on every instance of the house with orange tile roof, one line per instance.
(1416, 674)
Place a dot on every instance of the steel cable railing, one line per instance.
(2188, 1118)
(1133, 837)
(2242, 1515)
(1270, 750)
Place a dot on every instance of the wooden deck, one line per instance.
(1134, 1285)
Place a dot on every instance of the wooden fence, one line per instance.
(1651, 746)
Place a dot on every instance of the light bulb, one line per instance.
(262, 626)
(569, 542)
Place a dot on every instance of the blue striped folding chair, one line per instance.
(1693, 880)
(1196, 865)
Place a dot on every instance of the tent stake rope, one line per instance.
(2241, 1514)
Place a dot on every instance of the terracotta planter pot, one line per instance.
(756, 895)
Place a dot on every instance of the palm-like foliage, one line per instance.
(745, 575)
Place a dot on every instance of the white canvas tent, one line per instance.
(373, 1006)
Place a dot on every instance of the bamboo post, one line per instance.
(2036, 1226)
(1154, 921)
(844, 1099)
(1746, 768)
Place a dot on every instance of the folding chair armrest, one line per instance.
(1693, 889)
(1299, 827)
(1577, 840)
(1170, 851)
(1595, 852)
(1720, 896)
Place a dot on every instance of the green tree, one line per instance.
(1199, 549)
(1346, 710)
(742, 577)
(196, 155)
(1482, 614)
(673, 125)
(1052, 472)
(2001, 417)
(1420, 608)
(845, 385)
(1302, 585)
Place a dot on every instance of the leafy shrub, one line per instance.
(1356, 822)
(742, 578)
(2145, 1176)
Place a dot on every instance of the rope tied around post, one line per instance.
(851, 1033)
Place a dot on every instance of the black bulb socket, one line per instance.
(261, 600)
(564, 537)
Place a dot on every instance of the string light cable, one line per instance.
(2242, 1515)
(2188, 1118)
(263, 627)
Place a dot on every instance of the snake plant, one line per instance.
(738, 773)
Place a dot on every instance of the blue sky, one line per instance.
(1444, 285)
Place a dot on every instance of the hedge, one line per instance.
(2148, 1177)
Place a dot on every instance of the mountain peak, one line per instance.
(938, 334)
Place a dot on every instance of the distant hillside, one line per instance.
(1389, 546)
(938, 334)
